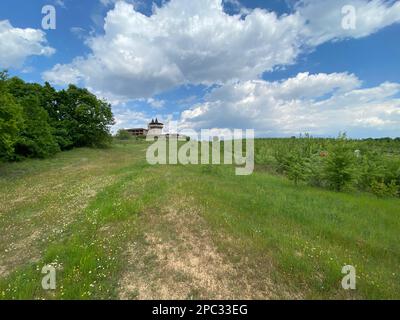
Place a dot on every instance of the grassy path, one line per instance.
(115, 227)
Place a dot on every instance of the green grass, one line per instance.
(83, 210)
(310, 233)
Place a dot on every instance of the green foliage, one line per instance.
(36, 139)
(293, 165)
(309, 234)
(123, 135)
(84, 117)
(37, 121)
(10, 119)
(316, 175)
(339, 167)
(371, 165)
(383, 190)
(370, 169)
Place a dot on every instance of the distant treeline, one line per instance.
(37, 121)
(371, 165)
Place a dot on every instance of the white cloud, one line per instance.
(125, 119)
(155, 103)
(324, 18)
(322, 104)
(60, 3)
(197, 42)
(108, 2)
(78, 32)
(184, 42)
(62, 74)
(17, 44)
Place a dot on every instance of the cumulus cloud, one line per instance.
(155, 103)
(63, 74)
(324, 18)
(321, 104)
(17, 44)
(197, 42)
(126, 118)
(184, 42)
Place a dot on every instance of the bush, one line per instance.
(371, 165)
(339, 166)
(370, 169)
(297, 168)
(123, 135)
(316, 175)
(383, 190)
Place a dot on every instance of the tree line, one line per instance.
(37, 121)
(367, 165)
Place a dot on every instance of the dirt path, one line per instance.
(176, 258)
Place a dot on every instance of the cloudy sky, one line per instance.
(281, 67)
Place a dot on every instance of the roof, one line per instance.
(156, 122)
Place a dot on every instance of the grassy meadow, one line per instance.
(116, 227)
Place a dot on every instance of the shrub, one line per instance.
(123, 135)
(316, 175)
(370, 168)
(335, 163)
(297, 168)
(383, 190)
(339, 166)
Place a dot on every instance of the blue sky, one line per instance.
(280, 67)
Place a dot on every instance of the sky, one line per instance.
(280, 67)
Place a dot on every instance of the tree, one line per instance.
(123, 135)
(57, 117)
(36, 138)
(37, 121)
(10, 119)
(86, 118)
(339, 166)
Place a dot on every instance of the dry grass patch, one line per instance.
(177, 259)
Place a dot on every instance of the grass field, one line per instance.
(117, 228)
